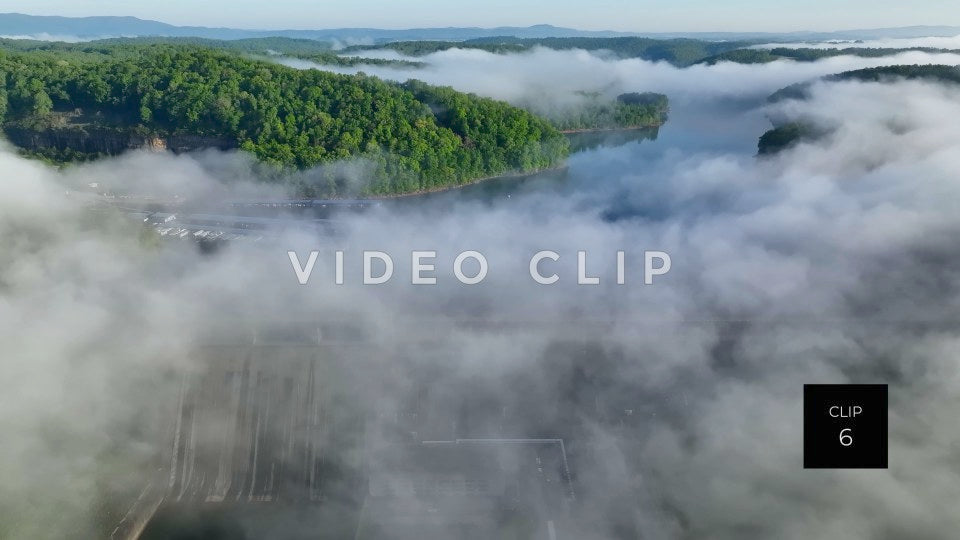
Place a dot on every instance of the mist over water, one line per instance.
(679, 402)
(940, 42)
(554, 76)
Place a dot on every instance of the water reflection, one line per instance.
(591, 140)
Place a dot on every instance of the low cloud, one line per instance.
(66, 38)
(831, 262)
(555, 76)
(888, 43)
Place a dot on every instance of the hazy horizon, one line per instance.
(647, 16)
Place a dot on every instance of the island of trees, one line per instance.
(789, 132)
(631, 110)
(786, 135)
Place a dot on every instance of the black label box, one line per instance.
(845, 426)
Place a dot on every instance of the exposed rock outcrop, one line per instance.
(107, 140)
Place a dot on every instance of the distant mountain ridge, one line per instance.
(16, 24)
(53, 27)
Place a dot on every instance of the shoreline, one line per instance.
(500, 176)
(441, 189)
(454, 187)
(601, 130)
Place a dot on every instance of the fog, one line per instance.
(888, 43)
(66, 38)
(554, 76)
(831, 262)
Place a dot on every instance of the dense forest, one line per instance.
(307, 49)
(416, 137)
(787, 133)
(679, 52)
(626, 111)
(424, 47)
(931, 73)
(762, 56)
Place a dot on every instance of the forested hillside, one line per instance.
(679, 52)
(418, 137)
(626, 111)
(789, 132)
(931, 73)
(786, 135)
(308, 49)
(761, 56)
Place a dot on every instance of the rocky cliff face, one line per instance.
(106, 140)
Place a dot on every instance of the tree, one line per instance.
(42, 104)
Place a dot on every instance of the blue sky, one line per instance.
(635, 15)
